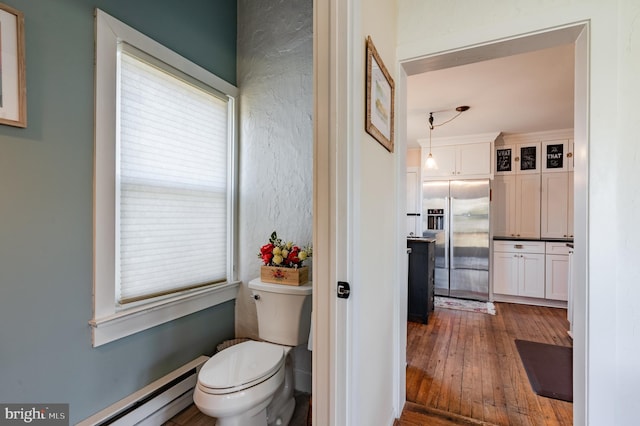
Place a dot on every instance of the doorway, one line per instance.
(578, 35)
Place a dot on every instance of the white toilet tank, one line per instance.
(284, 312)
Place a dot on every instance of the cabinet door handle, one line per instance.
(569, 154)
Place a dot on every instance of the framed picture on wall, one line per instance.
(528, 158)
(13, 90)
(380, 99)
(503, 160)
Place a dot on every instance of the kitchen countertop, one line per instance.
(421, 239)
(546, 240)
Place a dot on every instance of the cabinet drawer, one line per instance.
(557, 248)
(519, 246)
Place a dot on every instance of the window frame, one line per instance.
(111, 322)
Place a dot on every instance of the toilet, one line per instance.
(251, 383)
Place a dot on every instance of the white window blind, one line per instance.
(172, 182)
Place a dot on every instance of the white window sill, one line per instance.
(130, 321)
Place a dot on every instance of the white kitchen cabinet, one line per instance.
(557, 156)
(516, 159)
(503, 206)
(474, 159)
(413, 201)
(531, 275)
(557, 271)
(459, 161)
(505, 273)
(515, 206)
(519, 268)
(445, 158)
(556, 219)
(528, 206)
(570, 206)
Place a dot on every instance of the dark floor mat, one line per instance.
(549, 368)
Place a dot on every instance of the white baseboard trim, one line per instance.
(529, 301)
(155, 403)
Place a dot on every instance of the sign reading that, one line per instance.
(555, 156)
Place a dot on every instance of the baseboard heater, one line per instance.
(154, 404)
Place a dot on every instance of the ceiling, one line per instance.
(521, 93)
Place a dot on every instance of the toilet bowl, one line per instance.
(251, 383)
(238, 384)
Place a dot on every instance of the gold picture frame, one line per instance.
(380, 99)
(13, 89)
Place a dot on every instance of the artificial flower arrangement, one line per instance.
(283, 255)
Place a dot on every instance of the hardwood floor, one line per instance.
(419, 415)
(463, 369)
(191, 416)
(467, 364)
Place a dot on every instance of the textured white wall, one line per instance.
(275, 78)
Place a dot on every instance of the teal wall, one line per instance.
(46, 173)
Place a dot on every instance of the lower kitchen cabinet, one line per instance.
(519, 268)
(557, 271)
(421, 279)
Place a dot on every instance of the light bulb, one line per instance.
(431, 162)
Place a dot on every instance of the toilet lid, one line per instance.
(241, 366)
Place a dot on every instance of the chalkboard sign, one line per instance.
(503, 160)
(555, 156)
(528, 158)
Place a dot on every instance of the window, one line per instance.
(164, 184)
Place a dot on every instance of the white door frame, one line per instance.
(333, 40)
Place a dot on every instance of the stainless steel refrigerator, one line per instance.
(456, 214)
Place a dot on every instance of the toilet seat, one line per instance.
(240, 366)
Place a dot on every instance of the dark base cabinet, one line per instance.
(421, 279)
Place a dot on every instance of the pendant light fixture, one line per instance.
(430, 163)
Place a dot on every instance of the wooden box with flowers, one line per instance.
(283, 262)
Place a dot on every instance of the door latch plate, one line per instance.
(343, 290)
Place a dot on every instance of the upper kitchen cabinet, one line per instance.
(520, 158)
(467, 157)
(445, 159)
(557, 205)
(557, 156)
(515, 206)
(530, 153)
(461, 161)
